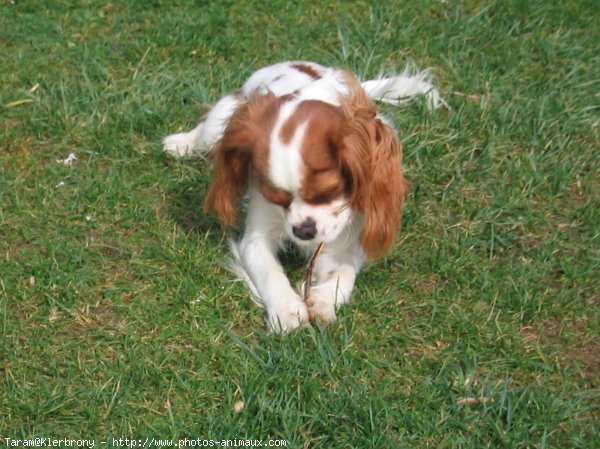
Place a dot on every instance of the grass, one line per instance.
(117, 318)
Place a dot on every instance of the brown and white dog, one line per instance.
(319, 164)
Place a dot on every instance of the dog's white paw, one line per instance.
(182, 144)
(321, 306)
(287, 315)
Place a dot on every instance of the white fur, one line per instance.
(403, 88)
(269, 226)
(208, 132)
(285, 160)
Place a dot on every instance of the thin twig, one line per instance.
(473, 400)
(310, 268)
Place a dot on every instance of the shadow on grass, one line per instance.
(186, 194)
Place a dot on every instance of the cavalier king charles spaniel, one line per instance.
(319, 164)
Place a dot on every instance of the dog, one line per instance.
(319, 164)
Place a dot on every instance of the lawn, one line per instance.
(119, 320)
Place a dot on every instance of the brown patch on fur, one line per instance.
(307, 69)
(318, 114)
(275, 195)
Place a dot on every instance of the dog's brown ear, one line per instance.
(372, 160)
(371, 156)
(244, 144)
(229, 183)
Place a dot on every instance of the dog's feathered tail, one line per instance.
(405, 87)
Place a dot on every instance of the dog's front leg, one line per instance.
(336, 272)
(285, 309)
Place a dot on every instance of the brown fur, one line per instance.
(305, 68)
(244, 146)
(371, 155)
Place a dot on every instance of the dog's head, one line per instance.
(317, 163)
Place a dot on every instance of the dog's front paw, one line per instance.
(320, 306)
(288, 315)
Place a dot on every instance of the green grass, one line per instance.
(117, 317)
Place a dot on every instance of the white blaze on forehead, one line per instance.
(285, 159)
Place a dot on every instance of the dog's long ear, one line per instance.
(371, 156)
(244, 141)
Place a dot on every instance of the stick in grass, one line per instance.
(473, 400)
(309, 270)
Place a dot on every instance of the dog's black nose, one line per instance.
(305, 230)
